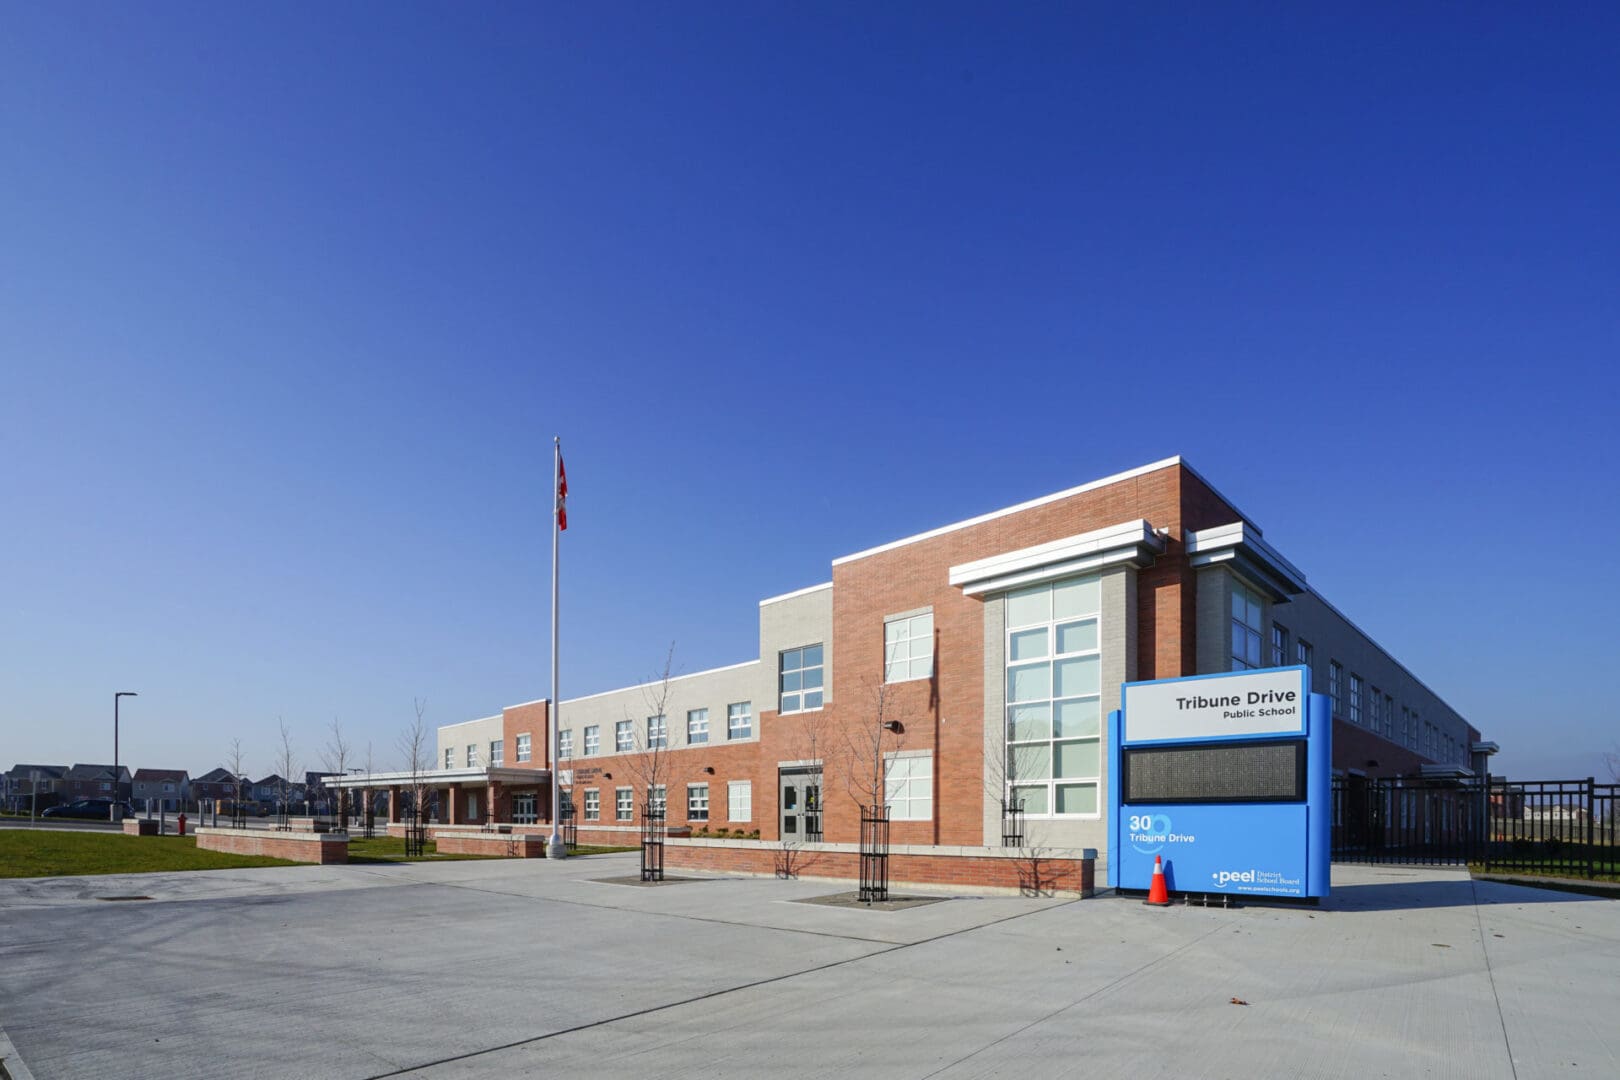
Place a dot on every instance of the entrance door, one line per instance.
(523, 809)
(800, 800)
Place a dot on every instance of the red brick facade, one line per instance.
(323, 848)
(970, 871)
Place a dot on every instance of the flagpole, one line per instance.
(554, 847)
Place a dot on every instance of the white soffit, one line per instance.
(1130, 543)
(1240, 545)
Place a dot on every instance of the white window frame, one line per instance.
(593, 740)
(697, 726)
(908, 786)
(798, 699)
(624, 804)
(908, 647)
(657, 733)
(697, 802)
(593, 804)
(659, 798)
(525, 747)
(565, 743)
(497, 752)
(1336, 686)
(740, 720)
(740, 809)
(1355, 698)
(472, 755)
(1020, 636)
(449, 758)
(624, 736)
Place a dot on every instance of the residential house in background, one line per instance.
(20, 784)
(218, 785)
(96, 782)
(168, 789)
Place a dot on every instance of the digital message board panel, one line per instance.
(1225, 777)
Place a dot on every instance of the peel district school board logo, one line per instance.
(1150, 832)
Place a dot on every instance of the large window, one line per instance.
(740, 800)
(593, 805)
(657, 732)
(1054, 697)
(1247, 614)
(908, 648)
(593, 740)
(1355, 699)
(523, 747)
(909, 788)
(497, 751)
(739, 720)
(565, 741)
(697, 802)
(697, 726)
(623, 737)
(660, 798)
(624, 807)
(800, 681)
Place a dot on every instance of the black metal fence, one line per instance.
(874, 853)
(1558, 827)
(652, 841)
(1012, 823)
(416, 836)
(570, 824)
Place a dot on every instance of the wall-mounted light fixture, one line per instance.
(709, 769)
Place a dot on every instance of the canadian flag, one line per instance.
(562, 494)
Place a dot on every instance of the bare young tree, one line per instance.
(809, 743)
(870, 742)
(233, 762)
(413, 749)
(649, 761)
(336, 759)
(286, 768)
(1004, 769)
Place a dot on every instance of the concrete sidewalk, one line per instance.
(522, 968)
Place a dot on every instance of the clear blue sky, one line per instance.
(294, 297)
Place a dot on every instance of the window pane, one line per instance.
(1082, 675)
(1078, 759)
(893, 631)
(1030, 683)
(1077, 798)
(1077, 636)
(895, 672)
(1028, 644)
(792, 660)
(790, 702)
(923, 667)
(923, 626)
(812, 656)
(812, 699)
(1032, 762)
(1078, 719)
(1025, 722)
(1034, 798)
(812, 678)
(1029, 606)
(1071, 598)
(895, 651)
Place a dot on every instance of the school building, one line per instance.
(953, 672)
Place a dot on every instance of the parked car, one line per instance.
(87, 810)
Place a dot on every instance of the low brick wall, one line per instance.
(308, 847)
(950, 869)
(140, 827)
(603, 835)
(516, 845)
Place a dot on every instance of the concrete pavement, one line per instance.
(520, 968)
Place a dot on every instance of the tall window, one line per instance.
(1374, 709)
(697, 802)
(1355, 699)
(659, 798)
(623, 737)
(472, 755)
(908, 788)
(593, 805)
(739, 720)
(449, 757)
(657, 732)
(1247, 614)
(565, 740)
(697, 726)
(800, 680)
(1335, 680)
(624, 808)
(1303, 653)
(740, 800)
(497, 751)
(1406, 726)
(593, 740)
(1279, 644)
(523, 747)
(1054, 671)
(1389, 718)
(908, 648)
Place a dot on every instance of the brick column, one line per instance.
(393, 805)
(453, 815)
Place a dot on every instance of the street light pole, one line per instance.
(117, 812)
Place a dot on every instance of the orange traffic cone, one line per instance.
(1158, 895)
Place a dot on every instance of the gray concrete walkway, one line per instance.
(528, 968)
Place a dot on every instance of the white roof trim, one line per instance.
(521, 704)
(1240, 543)
(673, 678)
(1129, 542)
(437, 777)
(463, 723)
(1128, 474)
(795, 592)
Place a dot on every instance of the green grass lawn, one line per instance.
(382, 849)
(59, 853)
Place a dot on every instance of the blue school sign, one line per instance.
(1227, 778)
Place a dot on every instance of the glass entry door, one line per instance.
(523, 809)
(800, 799)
